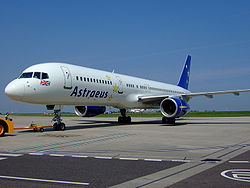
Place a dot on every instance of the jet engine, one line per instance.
(89, 111)
(174, 107)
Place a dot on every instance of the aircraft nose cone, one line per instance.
(14, 90)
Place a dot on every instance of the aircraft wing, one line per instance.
(211, 94)
(159, 98)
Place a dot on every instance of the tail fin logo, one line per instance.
(184, 79)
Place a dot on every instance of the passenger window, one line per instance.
(37, 75)
(81, 78)
(45, 76)
(26, 75)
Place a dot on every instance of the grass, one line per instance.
(155, 114)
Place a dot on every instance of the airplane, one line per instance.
(90, 91)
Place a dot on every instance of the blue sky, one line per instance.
(144, 38)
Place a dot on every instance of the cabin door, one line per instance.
(67, 78)
(120, 85)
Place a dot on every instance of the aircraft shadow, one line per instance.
(90, 124)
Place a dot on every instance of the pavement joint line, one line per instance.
(238, 161)
(2, 158)
(10, 155)
(72, 141)
(44, 180)
(84, 143)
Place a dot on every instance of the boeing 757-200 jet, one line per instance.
(91, 90)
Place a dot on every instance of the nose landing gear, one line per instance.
(58, 125)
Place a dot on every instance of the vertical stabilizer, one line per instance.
(184, 79)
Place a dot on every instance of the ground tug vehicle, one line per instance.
(7, 126)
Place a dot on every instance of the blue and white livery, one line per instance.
(91, 90)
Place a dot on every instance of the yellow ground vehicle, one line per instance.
(7, 126)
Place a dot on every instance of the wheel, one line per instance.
(56, 127)
(171, 121)
(2, 130)
(120, 119)
(41, 130)
(128, 119)
(62, 126)
(168, 121)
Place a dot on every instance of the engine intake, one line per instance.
(89, 111)
(174, 107)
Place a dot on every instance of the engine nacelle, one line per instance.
(89, 111)
(174, 107)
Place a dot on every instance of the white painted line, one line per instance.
(56, 155)
(130, 159)
(185, 161)
(10, 155)
(154, 160)
(103, 157)
(44, 180)
(36, 153)
(2, 158)
(238, 161)
(79, 156)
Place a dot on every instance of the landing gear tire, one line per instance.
(128, 119)
(168, 121)
(124, 119)
(2, 130)
(59, 127)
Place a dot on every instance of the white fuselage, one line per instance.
(75, 85)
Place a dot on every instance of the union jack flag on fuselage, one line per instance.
(45, 83)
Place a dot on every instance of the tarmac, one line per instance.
(99, 152)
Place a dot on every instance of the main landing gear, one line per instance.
(58, 125)
(124, 118)
(168, 121)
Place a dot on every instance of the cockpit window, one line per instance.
(45, 76)
(26, 75)
(37, 75)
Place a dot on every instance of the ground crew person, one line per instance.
(6, 116)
